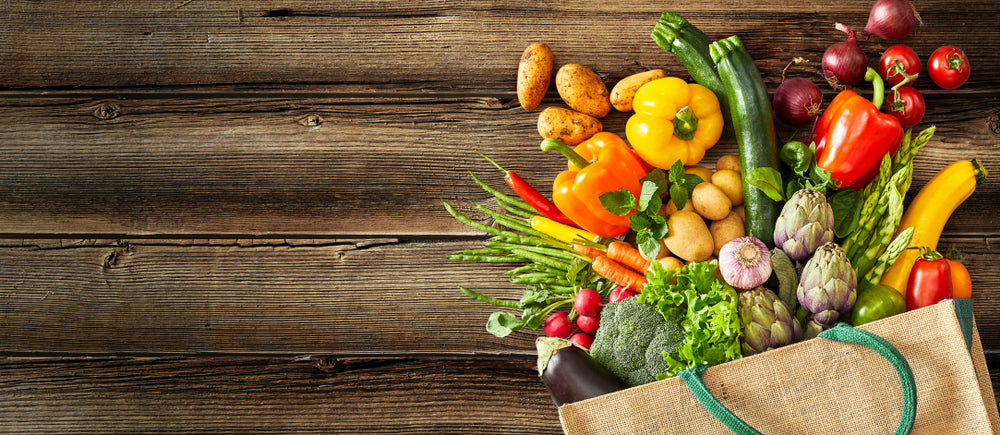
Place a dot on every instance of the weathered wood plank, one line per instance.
(303, 395)
(323, 166)
(365, 46)
(346, 297)
(279, 395)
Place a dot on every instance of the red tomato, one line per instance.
(907, 105)
(929, 283)
(961, 282)
(948, 67)
(898, 62)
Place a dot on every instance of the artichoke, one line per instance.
(828, 286)
(767, 322)
(805, 224)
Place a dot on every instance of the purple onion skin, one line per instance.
(797, 102)
(890, 19)
(844, 63)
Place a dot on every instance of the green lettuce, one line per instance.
(705, 307)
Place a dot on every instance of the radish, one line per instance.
(588, 324)
(588, 302)
(582, 340)
(620, 294)
(558, 325)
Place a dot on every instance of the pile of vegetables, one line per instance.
(646, 263)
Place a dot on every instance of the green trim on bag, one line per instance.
(842, 332)
(963, 310)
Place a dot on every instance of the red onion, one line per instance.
(891, 19)
(745, 262)
(844, 64)
(797, 101)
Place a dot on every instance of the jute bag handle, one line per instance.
(843, 333)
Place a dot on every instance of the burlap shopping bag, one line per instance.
(822, 386)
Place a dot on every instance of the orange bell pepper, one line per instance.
(601, 164)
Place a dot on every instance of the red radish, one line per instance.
(558, 325)
(620, 294)
(588, 302)
(582, 340)
(588, 324)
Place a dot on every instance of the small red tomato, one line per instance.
(907, 105)
(930, 281)
(949, 67)
(897, 63)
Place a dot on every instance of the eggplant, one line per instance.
(570, 374)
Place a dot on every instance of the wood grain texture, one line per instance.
(348, 297)
(278, 395)
(292, 166)
(363, 45)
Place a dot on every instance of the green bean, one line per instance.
(508, 221)
(549, 252)
(502, 196)
(487, 258)
(466, 220)
(515, 211)
(482, 251)
(494, 301)
(538, 280)
(541, 259)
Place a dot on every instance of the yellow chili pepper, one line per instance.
(674, 120)
(560, 231)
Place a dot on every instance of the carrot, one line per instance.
(618, 273)
(587, 250)
(626, 254)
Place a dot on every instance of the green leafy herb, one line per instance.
(684, 183)
(704, 306)
(846, 212)
(768, 180)
(646, 221)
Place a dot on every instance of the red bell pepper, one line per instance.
(852, 136)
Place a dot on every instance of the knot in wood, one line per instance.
(994, 122)
(312, 120)
(106, 111)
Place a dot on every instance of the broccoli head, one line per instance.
(632, 339)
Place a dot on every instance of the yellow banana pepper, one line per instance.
(674, 120)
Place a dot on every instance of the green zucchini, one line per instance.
(690, 45)
(753, 126)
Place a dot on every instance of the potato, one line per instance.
(710, 201)
(671, 263)
(741, 211)
(583, 90)
(731, 184)
(624, 92)
(727, 229)
(728, 162)
(568, 126)
(689, 237)
(670, 208)
(701, 171)
(534, 74)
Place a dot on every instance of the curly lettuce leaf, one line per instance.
(704, 306)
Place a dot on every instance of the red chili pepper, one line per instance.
(532, 196)
(930, 281)
(852, 136)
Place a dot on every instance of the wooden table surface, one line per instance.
(225, 216)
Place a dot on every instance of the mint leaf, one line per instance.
(618, 202)
(659, 229)
(677, 172)
(502, 323)
(767, 180)
(679, 195)
(648, 245)
(649, 198)
(640, 221)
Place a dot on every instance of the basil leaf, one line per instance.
(797, 156)
(768, 180)
(846, 214)
(618, 202)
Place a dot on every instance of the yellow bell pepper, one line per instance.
(674, 120)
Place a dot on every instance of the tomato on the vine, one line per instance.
(907, 105)
(897, 63)
(948, 67)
